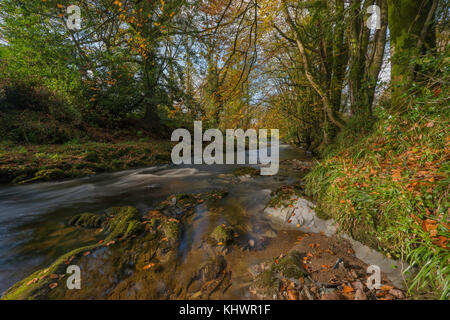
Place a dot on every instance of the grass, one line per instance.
(389, 189)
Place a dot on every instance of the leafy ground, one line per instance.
(30, 163)
(389, 189)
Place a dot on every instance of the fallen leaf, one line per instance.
(53, 285)
(292, 295)
(347, 289)
(151, 265)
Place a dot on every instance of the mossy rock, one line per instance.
(223, 233)
(86, 220)
(36, 286)
(290, 266)
(284, 196)
(268, 282)
(125, 223)
(171, 230)
(246, 171)
(185, 198)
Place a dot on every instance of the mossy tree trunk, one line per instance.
(412, 32)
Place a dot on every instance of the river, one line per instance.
(33, 217)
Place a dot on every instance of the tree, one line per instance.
(412, 32)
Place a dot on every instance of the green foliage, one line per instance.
(388, 186)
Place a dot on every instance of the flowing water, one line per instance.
(33, 218)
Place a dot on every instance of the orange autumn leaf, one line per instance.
(53, 285)
(292, 295)
(386, 288)
(151, 265)
(347, 289)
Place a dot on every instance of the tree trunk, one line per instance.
(376, 62)
(411, 25)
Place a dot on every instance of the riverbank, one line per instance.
(28, 163)
(388, 188)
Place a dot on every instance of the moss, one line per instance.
(185, 197)
(26, 289)
(266, 284)
(171, 230)
(124, 223)
(283, 196)
(223, 233)
(290, 266)
(86, 220)
(46, 175)
(246, 171)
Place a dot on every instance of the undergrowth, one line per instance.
(388, 186)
